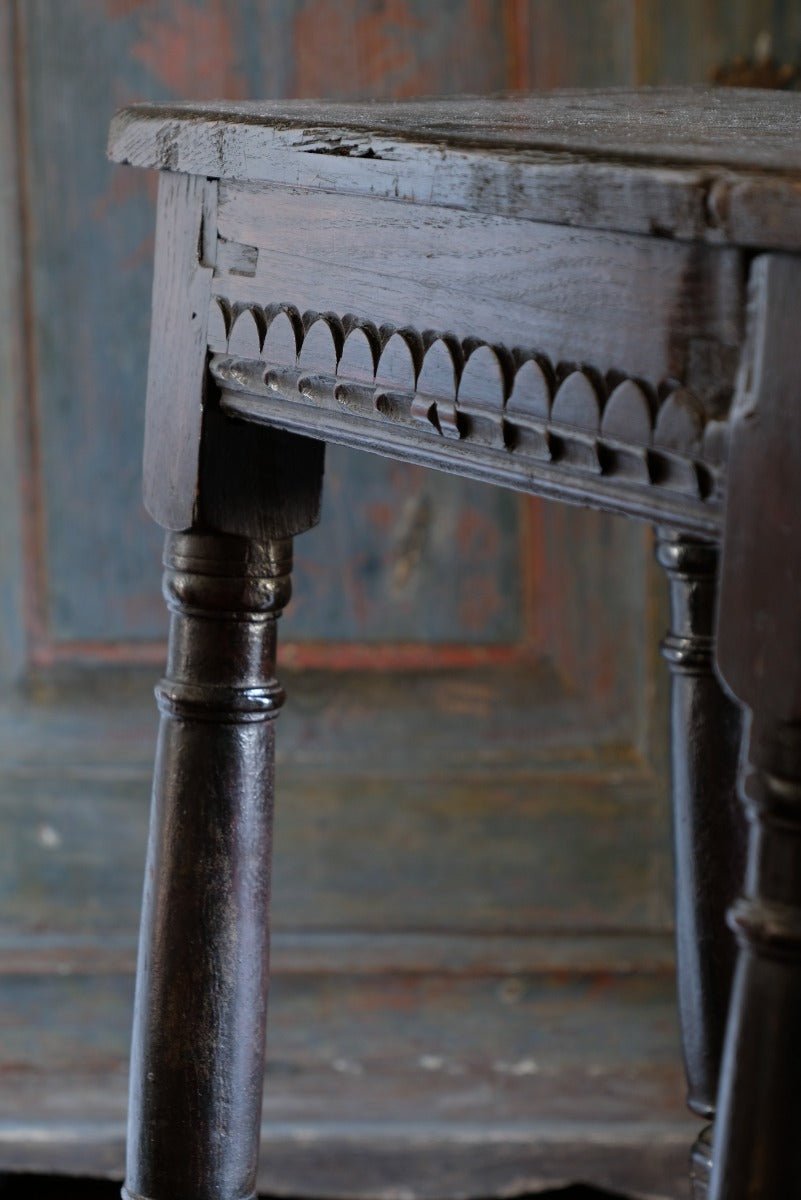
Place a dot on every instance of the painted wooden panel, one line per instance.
(477, 802)
(396, 48)
(87, 229)
(572, 43)
(92, 247)
(682, 41)
(378, 855)
(463, 1086)
(425, 562)
(12, 316)
(460, 719)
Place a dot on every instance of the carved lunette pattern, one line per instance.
(467, 390)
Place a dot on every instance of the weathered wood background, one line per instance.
(473, 755)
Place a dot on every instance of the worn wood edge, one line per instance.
(483, 463)
(687, 200)
(389, 953)
(12, 374)
(175, 378)
(652, 124)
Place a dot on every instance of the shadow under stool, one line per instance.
(588, 296)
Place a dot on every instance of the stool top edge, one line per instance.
(738, 129)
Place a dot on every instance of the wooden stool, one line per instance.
(589, 296)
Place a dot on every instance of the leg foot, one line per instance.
(701, 1165)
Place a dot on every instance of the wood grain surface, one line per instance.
(736, 128)
(515, 282)
(741, 143)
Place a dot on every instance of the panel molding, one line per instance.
(12, 370)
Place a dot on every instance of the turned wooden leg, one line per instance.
(198, 1046)
(758, 1139)
(757, 1145)
(708, 826)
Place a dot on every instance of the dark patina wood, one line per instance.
(759, 651)
(548, 294)
(201, 1002)
(708, 828)
(235, 501)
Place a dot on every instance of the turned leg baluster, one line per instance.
(197, 1062)
(242, 494)
(759, 1134)
(708, 828)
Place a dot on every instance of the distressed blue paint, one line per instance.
(92, 226)
(12, 634)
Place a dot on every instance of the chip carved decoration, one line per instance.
(509, 399)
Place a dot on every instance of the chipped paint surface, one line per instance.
(192, 49)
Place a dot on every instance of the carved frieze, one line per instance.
(510, 400)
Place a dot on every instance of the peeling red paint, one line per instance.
(388, 656)
(516, 38)
(119, 10)
(477, 536)
(192, 51)
(375, 49)
(333, 656)
(531, 558)
(382, 516)
(479, 601)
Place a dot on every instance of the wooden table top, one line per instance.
(719, 165)
(566, 226)
(734, 128)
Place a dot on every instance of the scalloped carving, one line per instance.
(627, 415)
(483, 385)
(532, 391)
(219, 326)
(439, 377)
(439, 374)
(473, 391)
(680, 422)
(248, 327)
(282, 339)
(358, 360)
(577, 403)
(319, 352)
(398, 364)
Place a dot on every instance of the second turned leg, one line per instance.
(198, 1046)
(758, 1134)
(708, 826)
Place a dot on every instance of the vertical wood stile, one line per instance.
(757, 1149)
